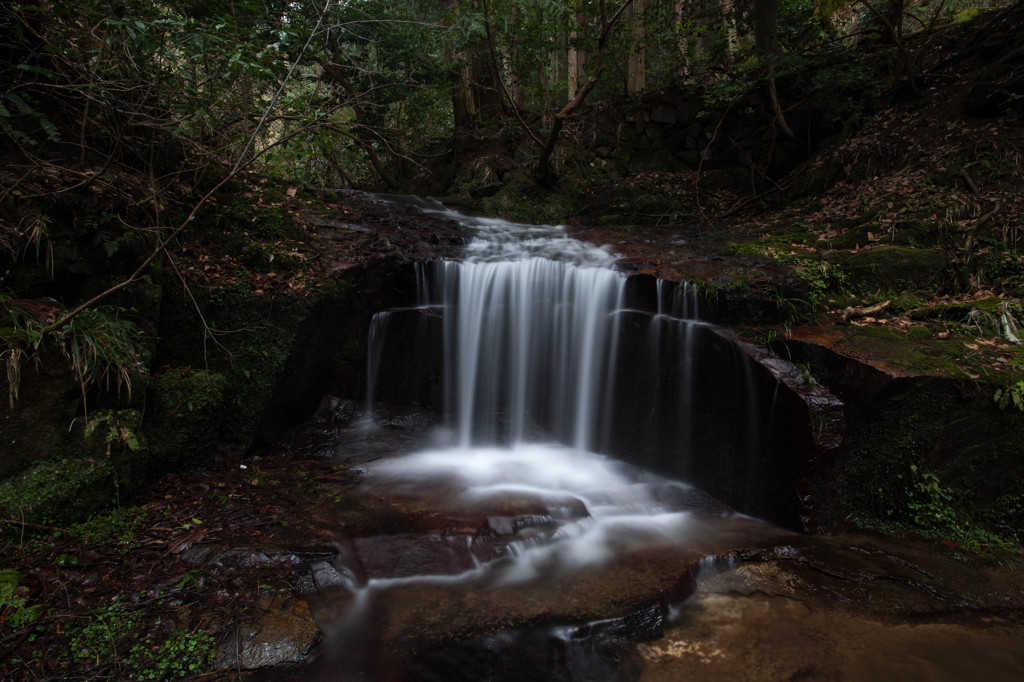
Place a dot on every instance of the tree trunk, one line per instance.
(576, 59)
(485, 85)
(766, 35)
(732, 36)
(544, 174)
(823, 13)
(768, 46)
(636, 79)
(682, 39)
(463, 107)
(892, 30)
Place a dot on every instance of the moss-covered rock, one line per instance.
(893, 267)
(241, 342)
(60, 492)
(933, 456)
(185, 411)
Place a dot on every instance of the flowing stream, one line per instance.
(515, 515)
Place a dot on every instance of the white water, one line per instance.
(624, 507)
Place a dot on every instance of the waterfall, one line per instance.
(533, 337)
(527, 340)
(529, 334)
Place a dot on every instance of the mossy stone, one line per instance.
(185, 414)
(59, 492)
(889, 267)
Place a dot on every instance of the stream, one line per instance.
(578, 495)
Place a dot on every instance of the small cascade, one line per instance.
(374, 356)
(681, 301)
(527, 342)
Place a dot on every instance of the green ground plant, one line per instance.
(15, 611)
(1012, 395)
(108, 640)
(183, 654)
(933, 510)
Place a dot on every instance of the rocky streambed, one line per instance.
(386, 580)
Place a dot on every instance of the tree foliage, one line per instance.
(361, 90)
(154, 106)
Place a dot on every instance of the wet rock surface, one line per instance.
(300, 538)
(849, 607)
(281, 631)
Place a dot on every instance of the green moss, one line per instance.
(116, 528)
(969, 14)
(60, 493)
(919, 354)
(890, 267)
(981, 314)
(186, 408)
(106, 460)
(332, 288)
(905, 302)
(241, 369)
(273, 196)
(522, 201)
(238, 216)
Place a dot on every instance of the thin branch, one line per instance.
(501, 81)
(240, 164)
(162, 245)
(207, 331)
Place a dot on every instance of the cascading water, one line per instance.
(528, 339)
(540, 362)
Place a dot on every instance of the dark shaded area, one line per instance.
(596, 651)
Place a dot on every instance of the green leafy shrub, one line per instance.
(101, 346)
(1014, 395)
(935, 511)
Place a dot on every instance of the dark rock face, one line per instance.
(694, 405)
(928, 426)
(36, 425)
